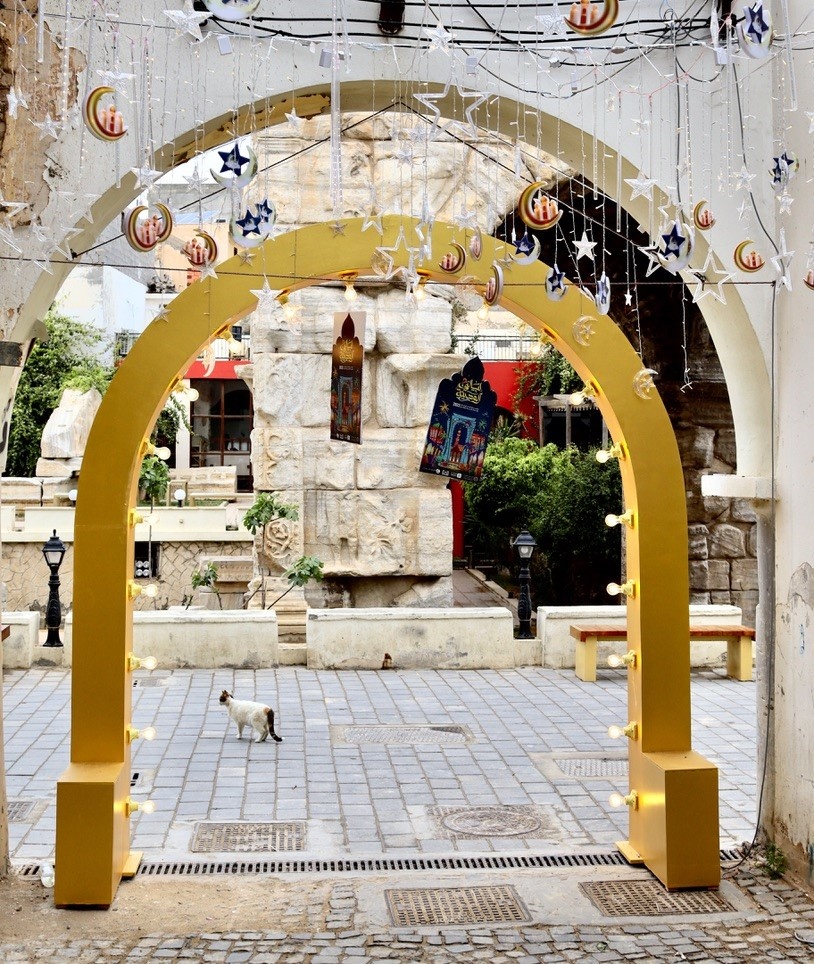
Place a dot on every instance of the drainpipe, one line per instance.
(765, 654)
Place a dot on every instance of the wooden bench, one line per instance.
(738, 646)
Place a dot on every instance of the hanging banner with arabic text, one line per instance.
(346, 376)
(459, 425)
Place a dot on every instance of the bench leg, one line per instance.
(739, 658)
(586, 660)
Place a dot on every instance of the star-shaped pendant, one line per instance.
(439, 37)
(374, 220)
(784, 202)
(555, 284)
(295, 120)
(711, 279)
(743, 179)
(117, 79)
(338, 228)
(145, 175)
(48, 127)
(249, 223)
(266, 298)
(188, 21)
(641, 186)
(628, 298)
(246, 255)
(651, 252)
(584, 247)
(466, 218)
(782, 262)
(15, 101)
(672, 242)
(467, 128)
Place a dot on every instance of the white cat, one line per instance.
(257, 715)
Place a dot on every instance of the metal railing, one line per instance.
(498, 347)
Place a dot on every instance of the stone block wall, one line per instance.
(382, 529)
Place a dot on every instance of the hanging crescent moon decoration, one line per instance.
(747, 261)
(244, 177)
(643, 383)
(702, 217)
(453, 260)
(252, 230)
(678, 246)
(589, 19)
(555, 288)
(583, 329)
(232, 10)
(143, 229)
(476, 245)
(755, 31)
(200, 253)
(603, 294)
(107, 125)
(528, 250)
(537, 209)
(808, 280)
(494, 286)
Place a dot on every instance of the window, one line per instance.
(147, 559)
(222, 420)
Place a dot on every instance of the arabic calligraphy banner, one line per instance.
(346, 376)
(459, 426)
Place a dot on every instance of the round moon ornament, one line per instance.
(590, 19)
(453, 260)
(253, 229)
(236, 170)
(537, 209)
(528, 250)
(232, 10)
(145, 227)
(749, 261)
(201, 249)
(702, 217)
(107, 124)
(555, 288)
(755, 31)
(677, 249)
(494, 285)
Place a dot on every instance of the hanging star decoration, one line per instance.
(373, 220)
(628, 299)
(784, 202)
(188, 21)
(295, 120)
(584, 247)
(782, 262)
(711, 279)
(440, 38)
(117, 79)
(641, 186)
(48, 127)
(603, 294)
(555, 284)
(651, 253)
(552, 24)
(15, 101)
(466, 217)
(783, 169)
(743, 179)
(384, 257)
(145, 175)
(469, 127)
(266, 298)
(233, 160)
(337, 228)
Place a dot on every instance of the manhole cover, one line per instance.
(647, 898)
(497, 821)
(21, 809)
(248, 837)
(455, 905)
(592, 766)
(450, 734)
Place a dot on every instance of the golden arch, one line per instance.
(673, 827)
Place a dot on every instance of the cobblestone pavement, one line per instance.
(530, 741)
(779, 926)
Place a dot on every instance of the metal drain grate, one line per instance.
(443, 735)
(455, 905)
(592, 767)
(248, 837)
(151, 681)
(520, 820)
(647, 898)
(19, 810)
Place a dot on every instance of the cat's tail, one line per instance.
(270, 718)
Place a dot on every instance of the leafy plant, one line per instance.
(300, 573)
(265, 508)
(69, 358)
(561, 497)
(154, 479)
(774, 860)
(205, 577)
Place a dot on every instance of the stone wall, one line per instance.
(26, 575)
(382, 529)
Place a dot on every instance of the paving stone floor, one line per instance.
(529, 742)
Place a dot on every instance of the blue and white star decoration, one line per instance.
(555, 284)
(603, 294)
(676, 252)
(756, 31)
(253, 228)
(783, 169)
(236, 170)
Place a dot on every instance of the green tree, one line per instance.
(562, 498)
(69, 359)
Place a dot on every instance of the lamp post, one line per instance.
(54, 552)
(525, 544)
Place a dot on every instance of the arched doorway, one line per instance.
(673, 799)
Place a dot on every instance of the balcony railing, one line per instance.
(491, 346)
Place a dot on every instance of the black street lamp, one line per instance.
(525, 544)
(54, 552)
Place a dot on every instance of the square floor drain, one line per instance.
(445, 735)
(20, 810)
(648, 898)
(519, 820)
(248, 837)
(455, 905)
(591, 767)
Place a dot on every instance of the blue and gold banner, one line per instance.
(346, 376)
(459, 425)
